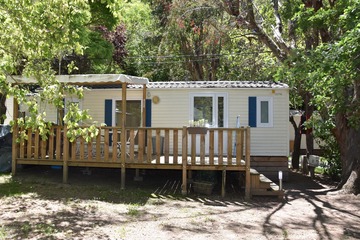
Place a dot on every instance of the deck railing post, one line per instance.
(15, 136)
(184, 161)
(65, 156)
(123, 136)
(247, 164)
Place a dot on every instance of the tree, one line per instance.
(319, 50)
(197, 43)
(34, 33)
(142, 38)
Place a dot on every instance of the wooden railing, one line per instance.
(161, 148)
(143, 145)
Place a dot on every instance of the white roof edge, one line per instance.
(86, 79)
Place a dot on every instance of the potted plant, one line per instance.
(198, 127)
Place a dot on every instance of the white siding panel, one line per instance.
(273, 141)
(9, 103)
(173, 110)
(174, 106)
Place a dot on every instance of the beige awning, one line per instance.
(86, 79)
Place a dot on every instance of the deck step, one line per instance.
(264, 182)
(254, 172)
(263, 186)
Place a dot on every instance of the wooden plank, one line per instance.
(175, 145)
(132, 145)
(66, 157)
(36, 145)
(157, 146)
(270, 159)
(141, 144)
(193, 148)
(254, 181)
(98, 146)
(115, 146)
(211, 147)
(239, 145)
(43, 148)
(123, 135)
(223, 182)
(229, 146)
(22, 147)
(247, 164)
(220, 146)
(106, 143)
(82, 148)
(167, 145)
(51, 143)
(29, 150)
(73, 150)
(149, 145)
(184, 161)
(269, 164)
(15, 146)
(58, 142)
(89, 150)
(202, 149)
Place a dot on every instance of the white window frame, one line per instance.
(258, 112)
(215, 104)
(127, 99)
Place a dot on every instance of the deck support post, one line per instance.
(184, 161)
(65, 157)
(15, 136)
(123, 135)
(247, 165)
(223, 183)
(137, 177)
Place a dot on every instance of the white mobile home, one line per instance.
(264, 106)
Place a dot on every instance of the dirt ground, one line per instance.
(92, 206)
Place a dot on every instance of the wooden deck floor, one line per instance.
(156, 162)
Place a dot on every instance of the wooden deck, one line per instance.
(174, 148)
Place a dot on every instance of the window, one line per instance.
(264, 106)
(211, 107)
(133, 113)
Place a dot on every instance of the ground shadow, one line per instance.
(310, 189)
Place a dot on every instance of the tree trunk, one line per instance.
(309, 109)
(349, 142)
(2, 108)
(297, 144)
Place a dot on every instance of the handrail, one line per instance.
(219, 146)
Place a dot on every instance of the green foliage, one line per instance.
(330, 72)
(143, 36)
(100, 52)
(33, 35)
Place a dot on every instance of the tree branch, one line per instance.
(278, 47)
(278, 21)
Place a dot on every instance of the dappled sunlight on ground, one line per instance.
(92, 206)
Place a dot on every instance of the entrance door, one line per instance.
(212, 107)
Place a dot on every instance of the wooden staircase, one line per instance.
(262, 186)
